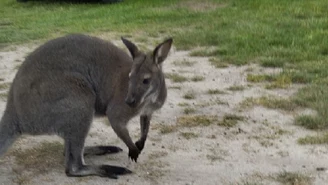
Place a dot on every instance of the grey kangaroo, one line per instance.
(65, 82)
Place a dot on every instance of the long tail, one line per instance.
(8, 133)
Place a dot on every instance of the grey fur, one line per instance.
(63, 83)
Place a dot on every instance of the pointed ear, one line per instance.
(162, 50)
(132, 47)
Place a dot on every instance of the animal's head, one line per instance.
(146, 75)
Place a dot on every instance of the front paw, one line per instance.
(140, 144)
(134, 153)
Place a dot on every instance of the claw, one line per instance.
(134, 153)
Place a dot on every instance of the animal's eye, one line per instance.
(146, 81)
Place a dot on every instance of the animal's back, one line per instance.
(72, 53)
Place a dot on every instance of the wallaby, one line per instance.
(65, 82)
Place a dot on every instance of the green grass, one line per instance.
(259, 78)
(197, 78)
(314, 96)
(215, 91)
(196, 120)
(236, 88)
(293, 178)
(270, 102)
(218, 63)
(165, 128)
(208, 52)
(188, 135)
(272, 62)
(187, 121)
(4, 86)
(174, 87)
(174, 77)
(311, 122)
(177, 78)
(282, 80)
(183, 104)
(3, 96)
(189, 95)
(291, 34)
(274, 33)
(230, 120)
(319, 139)
(214, 157)
(189, 110)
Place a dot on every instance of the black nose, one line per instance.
(130, 101)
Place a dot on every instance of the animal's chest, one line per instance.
(149, 108)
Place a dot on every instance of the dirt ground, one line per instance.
(262, 144)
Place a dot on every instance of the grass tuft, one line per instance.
(174, 87)
(183, 104)
(189, 95)
(208, 52)
(215, 91)
(270, 102)
(218, 63)
(189, 110)
(3, 96)
(315, 97)
(188, 135)
(197, 78)
(165, 129)
(174, 77)
(259, 78)
(319, 139)
(236, 88)
(230, 120)
(196, 120)
(272, 62)
(311, 122)
(4, 86)
(292, 178)
(281, 82)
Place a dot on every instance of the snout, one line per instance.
(131, 101)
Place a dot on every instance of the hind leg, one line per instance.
(74, 146)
